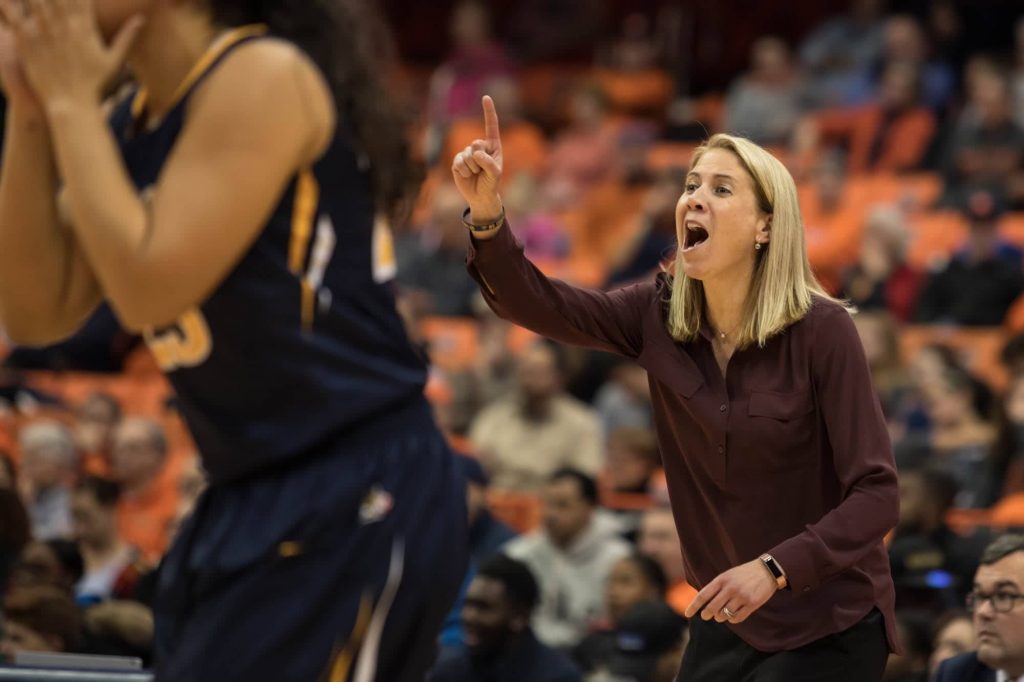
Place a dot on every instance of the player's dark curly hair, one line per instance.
(352, 45)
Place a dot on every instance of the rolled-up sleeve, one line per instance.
(517, 291)
(862, 457)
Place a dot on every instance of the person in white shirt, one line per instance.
(997, 604)
(571, 556)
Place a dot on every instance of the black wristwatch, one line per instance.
(773, 567)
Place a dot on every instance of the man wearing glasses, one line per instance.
(996, 602)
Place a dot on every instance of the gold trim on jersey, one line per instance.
(304, 212)
(218, 47)
(304, 205)
(341, 665)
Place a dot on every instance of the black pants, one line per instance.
(715, 654)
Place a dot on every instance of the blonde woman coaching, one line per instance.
(779, 466)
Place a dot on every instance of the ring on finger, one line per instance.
(729, 613)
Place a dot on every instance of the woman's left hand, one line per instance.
(64, 54)
(741, 590)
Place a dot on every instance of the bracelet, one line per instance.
(483, 228)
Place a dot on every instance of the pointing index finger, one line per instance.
(491, 130)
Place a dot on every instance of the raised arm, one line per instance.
(261, 117)
(47, 288)
(515, 289)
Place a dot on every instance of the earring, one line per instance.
(757, 246)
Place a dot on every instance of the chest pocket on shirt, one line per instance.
(782, 425)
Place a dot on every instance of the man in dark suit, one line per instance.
(997, 602)
(965, 668)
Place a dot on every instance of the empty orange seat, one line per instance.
(521, 511)
(453, 341)
(636, 91)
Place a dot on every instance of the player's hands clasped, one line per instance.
(477, 169)
(739, 591)
(61, 49)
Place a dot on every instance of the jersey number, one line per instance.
(187, 343)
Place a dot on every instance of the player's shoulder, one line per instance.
(268, 78)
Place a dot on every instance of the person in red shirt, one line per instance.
(777, 457)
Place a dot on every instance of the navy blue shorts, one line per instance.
(341, 568)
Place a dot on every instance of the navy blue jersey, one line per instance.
(301, 343)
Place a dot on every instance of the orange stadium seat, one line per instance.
(664, 155)
(1008, 512)
(453, 341)
(639, 92)
(521, 511)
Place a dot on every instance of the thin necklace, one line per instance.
(724, 335)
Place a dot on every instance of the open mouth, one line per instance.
(693, 236)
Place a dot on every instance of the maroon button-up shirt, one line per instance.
(787, 454)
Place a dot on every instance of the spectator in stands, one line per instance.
(624, 401)
(119, 628)
(962, 440)
(841, 49)
(585, 151)
(97, 418)
(53, 563)
(633, 460)
(571, 555)
(486, 534)
(882, 279)
(765, 103)
(890, 134)
(659, 539)
(476, 56)
(912, 664)
(431, 263)
(653, 241)
(932, 565)
(8, 472)
(49, 462)
(40, 619)
(987, 147)
(524, 437)
(635, 49)
(500, 644)
(982, 280)
(906, 43)
(649, 644)
(190, 485)
(832, 217)
(633, 579)
(14, 533)
(879, 336)
(998, 617)
(954, 635)
(540, 229)
(1010, 446)
(106, 556)
(149, 498)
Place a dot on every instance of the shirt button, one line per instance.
(720, 449)
(723, 407)
(807, 589)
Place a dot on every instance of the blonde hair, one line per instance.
(783, 284)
